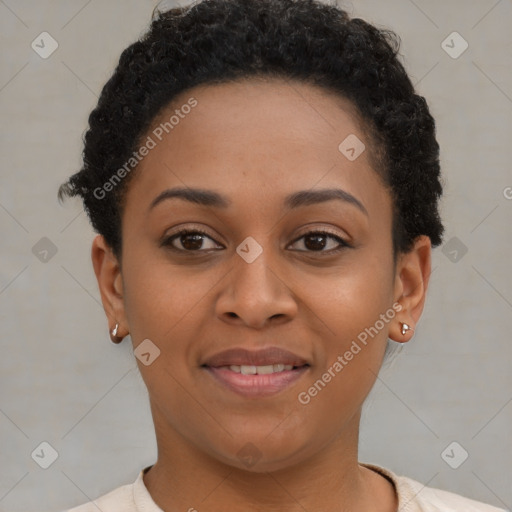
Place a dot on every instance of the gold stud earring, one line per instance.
(405, 328)
(113, 335)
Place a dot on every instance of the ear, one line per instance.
(110, 283)
(411, 282)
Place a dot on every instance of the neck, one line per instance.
(185, 478)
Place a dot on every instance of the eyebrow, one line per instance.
(297, 199)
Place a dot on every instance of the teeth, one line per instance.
(248, 370)
(260, 370)
(264, 370)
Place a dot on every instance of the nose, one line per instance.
(255, 294)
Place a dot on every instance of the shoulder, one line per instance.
(118, 500)
(414, 496)
(431, 499)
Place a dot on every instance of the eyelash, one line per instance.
(168, 241)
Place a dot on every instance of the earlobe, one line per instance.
(411, 283)
(108, 274)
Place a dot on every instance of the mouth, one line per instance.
(259, 370)
(256, 374)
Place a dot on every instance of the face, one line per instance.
(303, 286)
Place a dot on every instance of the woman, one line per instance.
(264, 183)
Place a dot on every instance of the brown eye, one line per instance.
(190, 241)
(317, 241)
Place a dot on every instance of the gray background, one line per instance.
(63, 382)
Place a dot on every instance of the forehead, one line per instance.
(263, 138)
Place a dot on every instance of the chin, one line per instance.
(259, 454)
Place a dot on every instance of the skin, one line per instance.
(257, 141)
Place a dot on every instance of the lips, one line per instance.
(264, 357)
(256, 374)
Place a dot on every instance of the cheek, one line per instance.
(356, 312)
(352, 299)
(159, 297)
(348, 359)
(171, 306)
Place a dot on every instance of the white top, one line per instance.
(412, 497)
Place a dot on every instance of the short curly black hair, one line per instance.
(220, 41)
